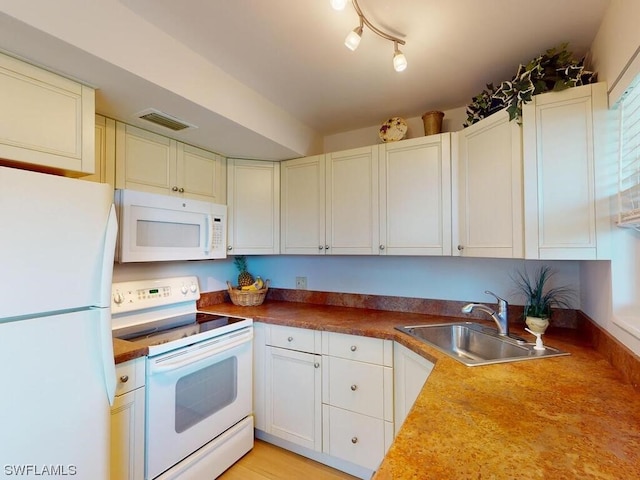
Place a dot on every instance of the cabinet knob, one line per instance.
(316, 365)
(381, 247)
(229, 247)
(181, 190)
(354, 348)
(290, 339)
(354, 387)
(460, 248)
(124, 378)
(354, 440)
(174, 189)
(326, 247)
(320, 247)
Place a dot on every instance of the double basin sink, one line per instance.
(474, 344)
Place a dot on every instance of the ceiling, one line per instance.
(290, 54)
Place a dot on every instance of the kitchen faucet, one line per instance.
(500, 318)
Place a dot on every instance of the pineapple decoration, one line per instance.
(245, 279)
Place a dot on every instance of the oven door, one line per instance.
(194, 394)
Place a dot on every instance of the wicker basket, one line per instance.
(248, 298)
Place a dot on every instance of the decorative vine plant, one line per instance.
(554, 70)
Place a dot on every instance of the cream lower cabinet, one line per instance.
(487, 210)
(127, 422)
(47, 120)
(410, 372)
(330, 204)
(293, 383)
(253, 207)
(153, 163)
(357, 397)
(415, 196)
(566, 199)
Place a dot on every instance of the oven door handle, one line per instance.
(173, 362)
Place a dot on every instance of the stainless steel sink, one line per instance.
(474, 344)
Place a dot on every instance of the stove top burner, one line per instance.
(176, 328)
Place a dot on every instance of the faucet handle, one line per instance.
(501, 301)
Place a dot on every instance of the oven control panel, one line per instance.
(143, 294)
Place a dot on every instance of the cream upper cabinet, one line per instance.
(330, 203)
(566, 203)
(302, 209)
(153, 163)
(415, 196)
(487, 211)
(47, 120)
(352, 225)
(253, 201)
(105, 145)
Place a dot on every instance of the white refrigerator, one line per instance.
(57, 372)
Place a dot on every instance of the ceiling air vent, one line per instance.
(164, 120)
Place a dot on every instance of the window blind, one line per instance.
(629, 158)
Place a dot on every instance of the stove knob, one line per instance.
(184, 289)
(118, 298)
(193, 288)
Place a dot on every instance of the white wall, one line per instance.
(444, 278)
(610, 291)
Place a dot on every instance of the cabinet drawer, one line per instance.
(360, 387)
(354, 437)
(292, 338)
(355, 347)
(129, 376)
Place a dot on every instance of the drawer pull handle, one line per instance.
(354, 387)
(354, 440)
(317, 365)
(124, 378)
(290, 339)
(353, 348)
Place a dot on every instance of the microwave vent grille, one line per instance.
(164, 120)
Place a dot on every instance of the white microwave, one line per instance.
(155, 228)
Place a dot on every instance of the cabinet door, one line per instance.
(354, 437)
(303, 206)
(201, 175)
(560, 177)
(127, 436)
(144, 160)
(253, 207)
(47, 120)
(352, 225)
(415, 196)
(293, 397)
(410, 372)
(489, 181)
(105, 136)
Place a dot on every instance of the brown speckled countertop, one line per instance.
(124, 351)
(558, 418)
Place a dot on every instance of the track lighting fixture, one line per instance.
(353, 39)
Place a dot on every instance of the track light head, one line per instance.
(353, 39)
(399, 60)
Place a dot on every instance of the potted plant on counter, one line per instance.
(540, 297)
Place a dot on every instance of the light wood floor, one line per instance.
(267, 461)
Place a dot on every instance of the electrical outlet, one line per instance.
(301, 283)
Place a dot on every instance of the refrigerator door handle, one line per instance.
(106, 349)
(107, 258)
(106, 338)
